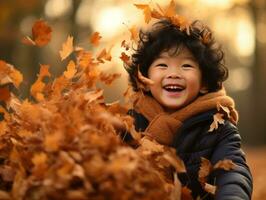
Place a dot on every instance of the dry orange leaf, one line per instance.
(170, 10)
(217, 119)
(67, 48)
(223, 109)
(205, 169)
(225, 164)
(134, 33)
(95, 38)
(104, 55)
(151, 146)
(36, 88)
(125, 45)
(71, 70)
(84, 58)
(210, 188)
(146, 11)
(41, 34)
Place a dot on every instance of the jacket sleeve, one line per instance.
(234, 184)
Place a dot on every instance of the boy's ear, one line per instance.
(204, 90)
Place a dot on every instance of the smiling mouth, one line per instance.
(173, 88)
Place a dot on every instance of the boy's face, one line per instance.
(177, 79)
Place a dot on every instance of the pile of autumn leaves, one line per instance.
(66, 142)
(63, 143)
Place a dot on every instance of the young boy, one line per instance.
(177, 109)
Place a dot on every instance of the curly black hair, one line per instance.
(165, 35)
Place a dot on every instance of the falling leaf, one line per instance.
(125, 45)
(41, 34)
(104, 55)
(44, 71)
(125, 58)
(217, 119)
(37, 88)
(67, 48)
(225, 164)
(95, 38)
(170, 10)
(134, 33)
(146, 11)
(71, 70)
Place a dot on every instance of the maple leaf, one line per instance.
(71, 70)
(146, 11)
(217, 119)
(67, 48)
(41, 34)
(95, 38)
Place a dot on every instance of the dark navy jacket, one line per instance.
(193, 141)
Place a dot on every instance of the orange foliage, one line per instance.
(41, 34)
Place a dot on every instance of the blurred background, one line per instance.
(239, 25)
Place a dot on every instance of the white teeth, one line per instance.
(172, 87)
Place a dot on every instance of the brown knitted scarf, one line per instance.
(163, 126)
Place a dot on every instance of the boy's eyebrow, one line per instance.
(184, 57)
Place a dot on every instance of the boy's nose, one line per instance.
(174, 74)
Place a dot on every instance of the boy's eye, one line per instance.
(187, 66)
(161, 65)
